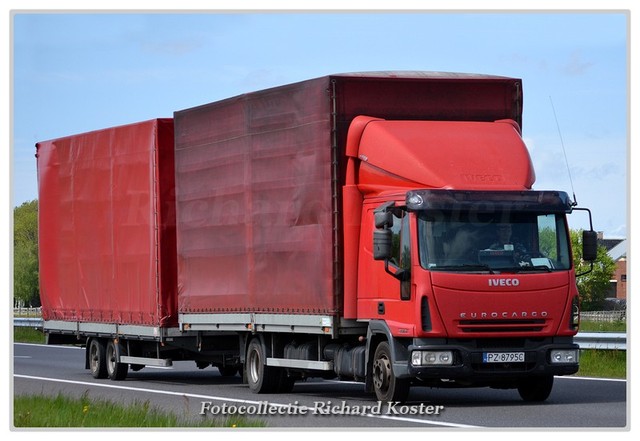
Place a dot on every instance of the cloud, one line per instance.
(577, 65)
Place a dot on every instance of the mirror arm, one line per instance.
(586, 272)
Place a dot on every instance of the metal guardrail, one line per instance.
(586, 340)
(602, 340)
(28, 322)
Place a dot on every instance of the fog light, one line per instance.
(567, 356)
(431, 358)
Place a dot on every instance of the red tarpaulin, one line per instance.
(107, 226)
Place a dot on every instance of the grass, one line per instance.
(588, 326)
(603, 364)
(63, 411)
(27, 335)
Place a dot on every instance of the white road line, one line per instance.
(623, 380)
(235, 400)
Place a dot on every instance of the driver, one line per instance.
(504, 242)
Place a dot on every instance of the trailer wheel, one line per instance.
(385, 383)
(115, 370)
(261, 378)
(97, 359)
(536, 389)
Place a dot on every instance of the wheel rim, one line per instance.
(94, 360)
(111, 358)
(254, 366)
(382, 373)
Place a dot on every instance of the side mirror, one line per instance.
(589, 245)
(381, 244)
(383, 219)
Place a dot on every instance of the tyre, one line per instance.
(385, 383)
(536, 389)
(115, 370)
(260, 377)
(97, 359)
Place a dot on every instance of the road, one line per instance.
(187, 391)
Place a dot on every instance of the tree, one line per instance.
(25, 254)
(593, 287)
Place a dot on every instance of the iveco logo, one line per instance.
(504, 282)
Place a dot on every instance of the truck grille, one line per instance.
(497, 326)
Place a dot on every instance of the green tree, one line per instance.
(593, 287)
(25, 254)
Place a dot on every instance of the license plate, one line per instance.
(503, 357)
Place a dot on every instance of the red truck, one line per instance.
(378, 227)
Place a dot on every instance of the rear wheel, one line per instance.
(115, 370)
(97, 359)
(536, 389)
(385, 383)
(260, 377)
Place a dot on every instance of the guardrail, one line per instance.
(28, 322)
(586, 340)
(602, 340)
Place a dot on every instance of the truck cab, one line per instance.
(466, 279)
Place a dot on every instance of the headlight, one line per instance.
(432, 358)
(566, 356)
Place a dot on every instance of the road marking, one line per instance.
(22, 356)
(236, 400)
(592, 379)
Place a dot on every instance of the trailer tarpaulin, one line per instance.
(254, 203)
(107, 225)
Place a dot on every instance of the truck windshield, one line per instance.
(496, 242)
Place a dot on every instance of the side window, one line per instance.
(395, 240)
(405, 244)
(547, 235)
(401, 242)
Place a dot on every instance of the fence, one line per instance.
(604, 316)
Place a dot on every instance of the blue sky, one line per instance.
(78, 72)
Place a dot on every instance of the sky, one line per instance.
(77, 72)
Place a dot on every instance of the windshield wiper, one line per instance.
(524, 269)
(465, 267)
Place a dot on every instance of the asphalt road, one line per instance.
(187, 391)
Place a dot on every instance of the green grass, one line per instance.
(587, 326)
(603, 364)
(63, 411)
(27, 335)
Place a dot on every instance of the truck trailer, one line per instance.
(378, 227)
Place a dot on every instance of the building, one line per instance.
(617, 250)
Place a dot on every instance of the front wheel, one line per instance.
(386, 385)
(536, 389)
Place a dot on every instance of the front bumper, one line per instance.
(468, 361)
